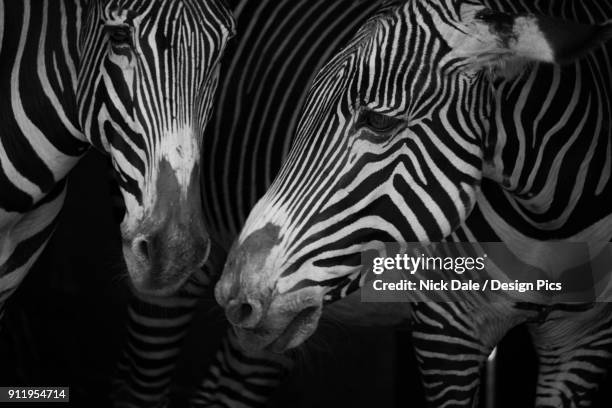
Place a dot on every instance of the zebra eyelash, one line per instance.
(120, 35)
(378, 126)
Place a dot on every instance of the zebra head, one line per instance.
(389, 148)
(148, 75)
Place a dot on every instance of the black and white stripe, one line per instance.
(270, 65)
(133, 78)
(423, 122)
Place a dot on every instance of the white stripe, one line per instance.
(57, 162)
(16, 178)
(44, 79)
(66, 49)
(11, 281)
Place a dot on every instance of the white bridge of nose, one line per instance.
(180, 149)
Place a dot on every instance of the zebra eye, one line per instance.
(378, 122)
(120, 34)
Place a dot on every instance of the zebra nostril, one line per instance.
(141, 248)
(243, 314)
(245, 311)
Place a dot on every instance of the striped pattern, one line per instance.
(155, 330)
(405, 137)
(240, 380)
(134, 78)
(147, 79)
(159, 63)
(267, 74)
(574, 357)
(280, 46)
(40, 139)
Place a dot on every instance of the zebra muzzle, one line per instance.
(161, 261)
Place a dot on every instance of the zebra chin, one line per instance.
(288, 335)
(162, 271)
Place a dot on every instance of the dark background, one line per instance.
(64, 327)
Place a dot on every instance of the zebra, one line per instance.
(436, 121)
(280, 46)
(135, 79)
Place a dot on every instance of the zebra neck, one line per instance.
(569, 212)
(552, 257)
(549, 153)
(40, 140)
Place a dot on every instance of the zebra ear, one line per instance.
(504, 42)
(571, 41)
